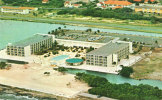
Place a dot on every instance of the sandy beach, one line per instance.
(32, 77)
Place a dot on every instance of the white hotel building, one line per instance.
(105, 54)
(18, 10)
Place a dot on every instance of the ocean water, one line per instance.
(13, 31)
(14, 97)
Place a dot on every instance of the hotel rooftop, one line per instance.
(108, 49)
(31, 40)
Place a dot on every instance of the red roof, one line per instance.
(124, 3)
(76, 4)
(31, 8)
(117, 7)
(45, 1)
(101, 2)
(67, 2)
(103, 6)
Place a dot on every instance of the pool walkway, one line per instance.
(112, 70)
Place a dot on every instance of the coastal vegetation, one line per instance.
(124, 13)
(35, 3)
(1, 2)
(102, 87)
(126, 71)
(160, 1)
(3, 65)
(61, 69)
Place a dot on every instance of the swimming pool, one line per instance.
(74, 60)
(61, 57)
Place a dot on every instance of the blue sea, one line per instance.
(14, 97)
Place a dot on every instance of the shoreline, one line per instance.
(67, 22)
(145, 78)
(54, 85)
(5, 89)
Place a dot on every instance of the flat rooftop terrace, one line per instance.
(135, 38)
(79, 35)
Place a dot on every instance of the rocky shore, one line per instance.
(4, 89)
(24, 92)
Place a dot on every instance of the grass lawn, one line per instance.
(160, 1)
(150, 67)
(1, 2)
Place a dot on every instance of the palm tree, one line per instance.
(56, 32)
(59, 28)
(55, 44)
(156, 42)
(53, 32)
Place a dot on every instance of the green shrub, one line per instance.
(3, 65)
(100, 86)
(126, 71)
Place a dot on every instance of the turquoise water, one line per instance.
(61, 57)
(13, 31)
(119, 79)
(74, 60)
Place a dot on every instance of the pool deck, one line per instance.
(60, 57)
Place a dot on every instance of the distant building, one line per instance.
(45, 1)
(117, 7)
(101, 5)
(148, 9)
(114, 3)
(18, 10)
(68, 4)
(108, 54)
(30, 45)
(77, 5)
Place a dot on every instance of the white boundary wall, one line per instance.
(71, 43)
